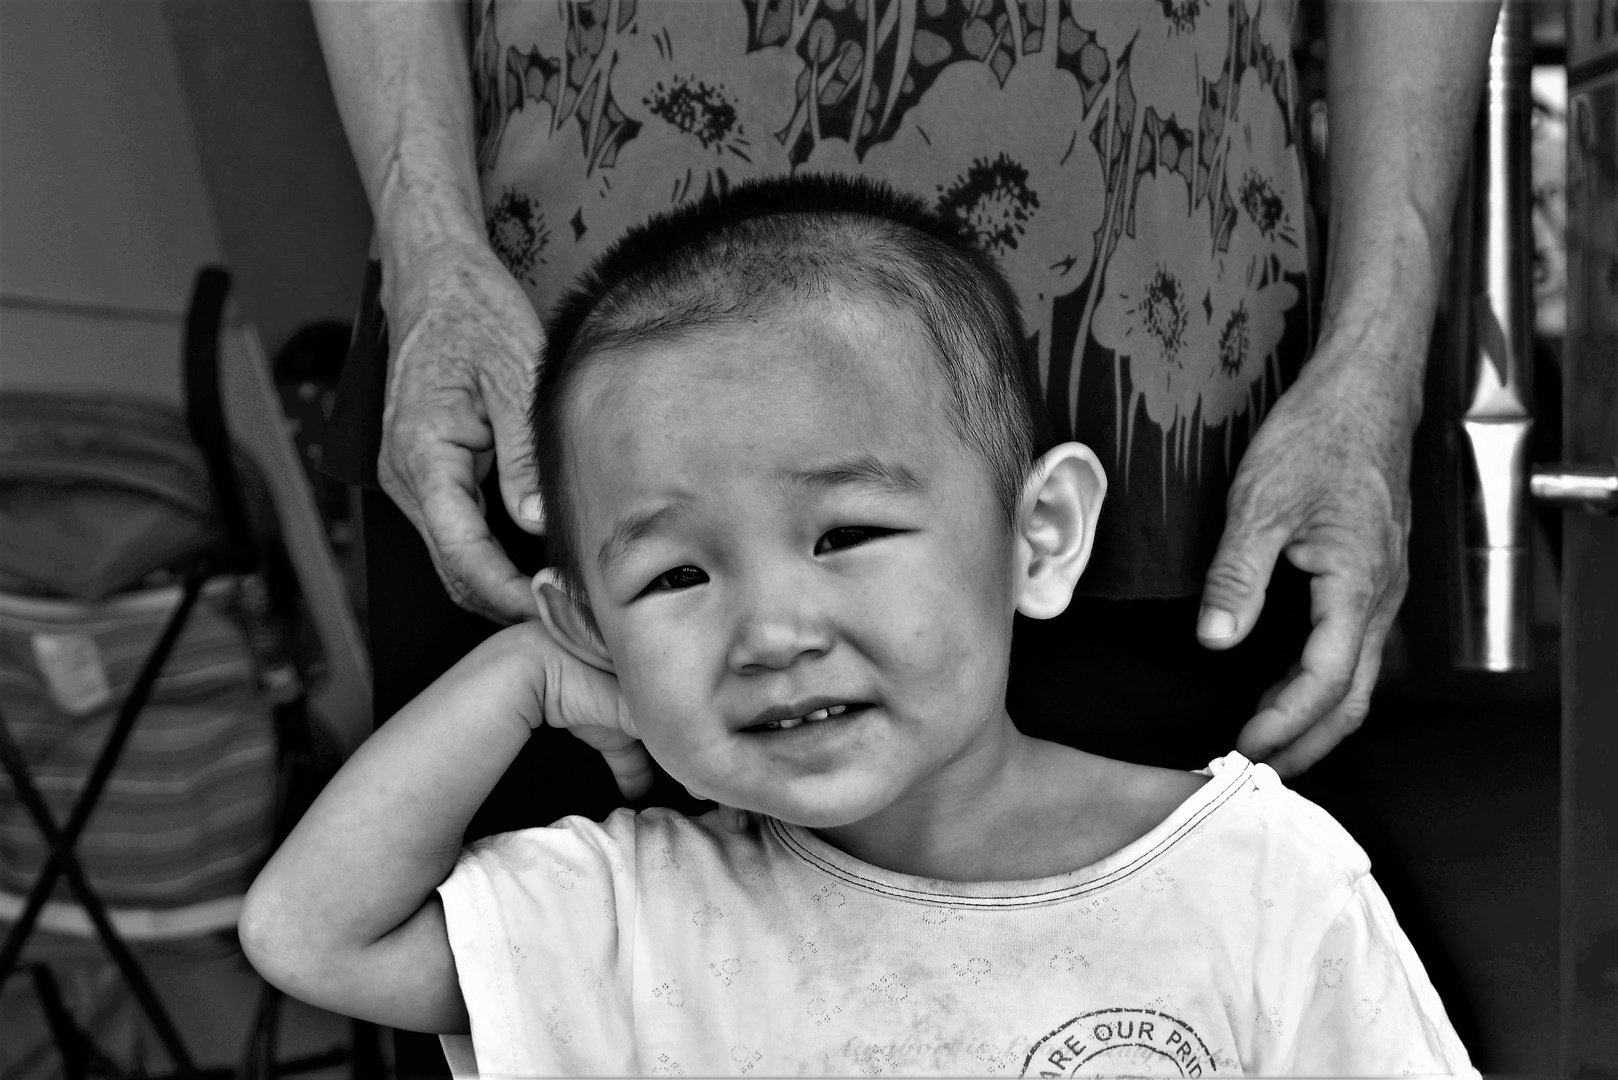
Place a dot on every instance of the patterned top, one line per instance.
(1135, 166)
(1241, 936)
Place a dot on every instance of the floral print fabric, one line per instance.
(1134, 166)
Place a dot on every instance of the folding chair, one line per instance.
(234, 550)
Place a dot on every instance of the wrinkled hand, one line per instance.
(464, 340)
(1326, 480)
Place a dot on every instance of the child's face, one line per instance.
(776, 519)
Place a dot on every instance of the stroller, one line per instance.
(154, 737)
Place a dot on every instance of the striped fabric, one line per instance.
(187, 816)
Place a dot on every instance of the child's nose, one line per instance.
(776, 627)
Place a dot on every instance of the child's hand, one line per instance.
(731, 819)
(581, 696)
(567, 691)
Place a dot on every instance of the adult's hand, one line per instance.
(463, 335)
(1326, 483)
(464, 340)
(1325, 480)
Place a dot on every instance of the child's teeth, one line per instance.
(818, 714)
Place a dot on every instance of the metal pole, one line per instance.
(1490, 371)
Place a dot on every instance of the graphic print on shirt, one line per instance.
(1137, 176)
(1121, 1042)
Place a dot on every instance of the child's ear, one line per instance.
(566, 622)
(1056, 527)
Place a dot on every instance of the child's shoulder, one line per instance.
(1236, 813)
(1266, 814)
(1288, 851)
(626, 843)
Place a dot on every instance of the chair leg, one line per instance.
(62, 863)
(62, 841)
(69, 1039)
(259, 1061)
(81, 1057)
(367, 1063)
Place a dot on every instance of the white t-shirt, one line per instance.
(1244, 934)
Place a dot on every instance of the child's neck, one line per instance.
(1023, 809)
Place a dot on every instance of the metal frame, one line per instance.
(235, 554)
(63, 863)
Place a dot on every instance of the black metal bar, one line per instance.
(17, 769)
(136, 700)
(81, 1056)
(365, 1040)
(62, 862)
(11, 757)
(205, 412)
(67, 865)
(132, 972)
(69, 1039)
(258, 1062)
(337, 1055)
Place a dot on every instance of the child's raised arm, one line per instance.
(345, 915)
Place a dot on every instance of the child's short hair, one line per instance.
(733, 256)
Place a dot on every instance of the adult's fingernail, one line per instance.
(1215, 625)
(532, 508)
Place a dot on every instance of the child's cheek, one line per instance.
(660, 683)
(916, 629)
(956, 630)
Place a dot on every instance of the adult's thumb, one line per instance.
(519, 479)
(1233, 591)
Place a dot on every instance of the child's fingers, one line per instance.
(625, 755)
(631, 766)
(731, 819)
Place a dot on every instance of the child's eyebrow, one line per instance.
(629, 530)
(863, 469)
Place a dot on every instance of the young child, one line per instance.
(797, 489)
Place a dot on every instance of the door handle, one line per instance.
(1589, 487)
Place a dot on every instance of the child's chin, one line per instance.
(819, 814)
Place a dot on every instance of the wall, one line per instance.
(107, 212)
(292, 213)
(103, 213)
(139, 141)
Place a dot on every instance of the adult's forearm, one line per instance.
(1403, 84)
(401, 76)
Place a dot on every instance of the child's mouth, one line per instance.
(814, 717)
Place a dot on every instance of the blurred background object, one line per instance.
(1488, 369)
(1588, 958)
(107, 212)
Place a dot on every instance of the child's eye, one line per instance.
(848, 536)
(681, 577)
